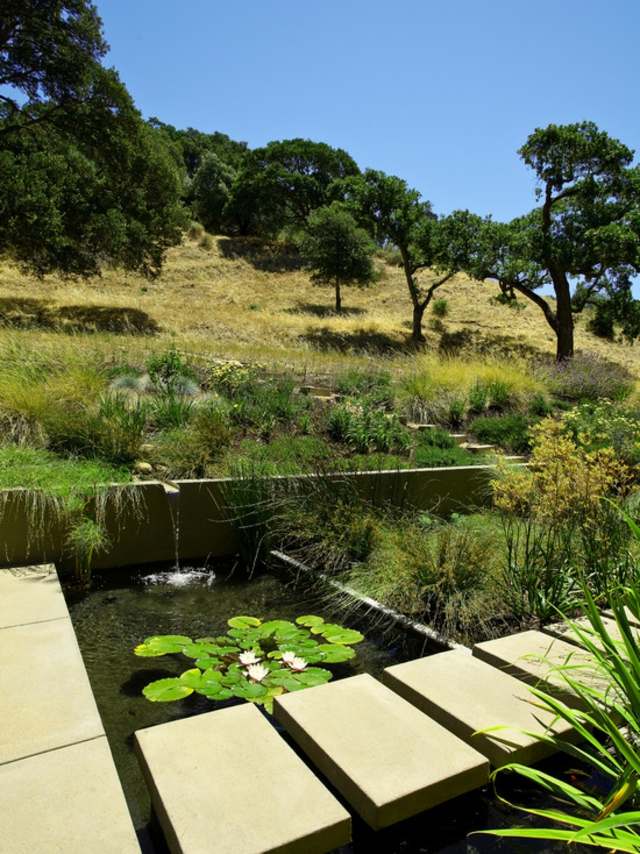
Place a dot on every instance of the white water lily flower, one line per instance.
(257, 672)
(288, 657)
(297, 664)
(248, 658)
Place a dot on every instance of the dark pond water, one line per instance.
(125, 607)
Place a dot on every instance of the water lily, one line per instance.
(298, 664)
(288, 657)
(249, 657)
(257, 672)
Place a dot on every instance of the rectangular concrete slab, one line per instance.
(30, 595)
(45, 697)
(535, 656)
(227, 782)
(388, 759)
(567, 631)
(66, 801)
(466, 696)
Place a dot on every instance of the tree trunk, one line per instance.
(564, 318)
(338, 297)
(416, 329)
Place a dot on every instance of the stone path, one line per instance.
(386, 758)
(59, 790)
(227, 782)
(467, 696)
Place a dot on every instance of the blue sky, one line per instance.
(440, 93)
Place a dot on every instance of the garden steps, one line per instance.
(478, 447)
(441, 686)
(385, 757)
(226, 781)
(57, 778)
(534, 657)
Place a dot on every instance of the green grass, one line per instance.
(32, 468)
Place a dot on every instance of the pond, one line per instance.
(124, 607)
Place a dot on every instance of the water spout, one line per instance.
(172, 491)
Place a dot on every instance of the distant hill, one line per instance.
(239, 298)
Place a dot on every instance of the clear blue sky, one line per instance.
(440, 93)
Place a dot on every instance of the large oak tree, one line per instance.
(582, 241)
(83, 180)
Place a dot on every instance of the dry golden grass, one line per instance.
(240, 301)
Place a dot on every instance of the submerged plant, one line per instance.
(255, 661)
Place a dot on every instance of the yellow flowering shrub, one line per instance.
(563, 480)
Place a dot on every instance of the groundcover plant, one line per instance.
(255, 661)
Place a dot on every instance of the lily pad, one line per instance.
(207, 661)
(334, 653)
(192, 678)
(339, 635)
(249, 690)
(309, 620)
(167, 690)
(244, 622)
(161, 645)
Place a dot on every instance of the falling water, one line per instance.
(180, 577)
(173, 502)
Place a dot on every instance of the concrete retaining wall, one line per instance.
(196, 521)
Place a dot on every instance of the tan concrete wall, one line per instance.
(200, 514)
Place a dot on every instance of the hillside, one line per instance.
(236, 298)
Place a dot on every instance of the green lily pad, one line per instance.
(211, 686)
(167, 690)
(343, 636)
(192, 678)
(161, 645)
(249, 690)
(309, 620)
(334, 653)
(243, 622)
(207, 661)
(314, 676)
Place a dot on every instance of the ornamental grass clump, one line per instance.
(254, 661)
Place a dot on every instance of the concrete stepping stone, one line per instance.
(534, 657)
(633, 620)
(30, 595)
(466, 695)
(565, 631)
(387, 759)
(227, 782)
(46, 700)
(66, 801)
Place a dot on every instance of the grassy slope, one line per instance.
(235, 300)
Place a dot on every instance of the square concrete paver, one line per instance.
(66, 801)
(30, 595)
(227, 782)
(45, 697)
(535, 657)
(388, 759)
(466, 696)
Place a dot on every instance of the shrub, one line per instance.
(601, 323)
(265, 405)
(229, 377)
(589, 377)
(376, 386)
(561, 528)
(171, 410)
(593, 426)
(283, 455)
(431, 456)
(435, 438)
(195, 230)
(440, 308)
(206, 242)
(510, 432)
(170, 372)
(366, 429)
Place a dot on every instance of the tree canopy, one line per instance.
(83, 180)
(395, 214)
(583, 239)
(337, 250)
(280, 184)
